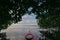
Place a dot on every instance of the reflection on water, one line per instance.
(19, 32)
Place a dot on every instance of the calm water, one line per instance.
(17, 32)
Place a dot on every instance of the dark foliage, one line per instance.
(47, 12)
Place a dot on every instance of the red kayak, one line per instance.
(29, 36)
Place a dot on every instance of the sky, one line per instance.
(26, 20)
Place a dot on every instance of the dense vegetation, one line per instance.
(47, 12)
